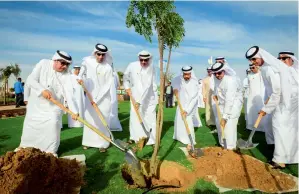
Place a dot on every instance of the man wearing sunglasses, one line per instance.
(207, 98)
(279, 88)
(139, 83)
(98, 80)
(256, 100)
(42, 123)
(186, 87)
(228, 93)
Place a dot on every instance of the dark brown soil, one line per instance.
(228, 169)
(31, 171)
(12, 113)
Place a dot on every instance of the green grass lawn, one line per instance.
(103, 173)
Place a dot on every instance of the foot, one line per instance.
(102, 150)
(85, 147)
(278, 165)
(130, 141)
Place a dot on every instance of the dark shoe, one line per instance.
(278, 166)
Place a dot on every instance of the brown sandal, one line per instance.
(103, 150)
(85, 147)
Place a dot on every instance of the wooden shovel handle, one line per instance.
(95, 106)
(219, 117)
(80, 120)
(136, 110)
(181, 111)
(258, 120)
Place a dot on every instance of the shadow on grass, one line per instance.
(70, 144)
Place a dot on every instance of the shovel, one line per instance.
(98, 111)
(140, 120)
(130, 157)
(242, 144)
(222, 129)
(194, 152)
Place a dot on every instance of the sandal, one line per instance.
(85, 147)
(277, 165)
(103, 150)
(130, 141)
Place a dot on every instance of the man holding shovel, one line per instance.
(186, 88)
(42, 124)
(228, 98)
(139, 82)
(98, 82)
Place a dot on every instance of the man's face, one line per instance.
(219, 75)
(210, 73)
(60, 65)
(76, 71)
(257, 61)
(286, 59)
(254, 69)
(169, 83)
(187, 76)
(143, 62)
(100, 57)
(220, 61)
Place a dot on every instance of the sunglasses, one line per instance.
(145, 60)
(64, 63)
(101, 54)
(283, 58)
(218, 73)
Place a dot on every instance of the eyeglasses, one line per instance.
(101, 54)
(283, 58)
(64, 63)
(145, 60)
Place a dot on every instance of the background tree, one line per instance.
(145, 16)
(5, 73)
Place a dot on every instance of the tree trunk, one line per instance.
(159, 123)
(5, 92)
(168, 62)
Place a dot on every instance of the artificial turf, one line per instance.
(103, 169)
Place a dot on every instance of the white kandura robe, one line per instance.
(230, 98)
(255, 102)
(201, 103)
(246, 89)
(97, 80)
(285, 119)
(209, 106)
(79, 97)
(271, 82)
(188, 94)
(141, 81)
(114, 120)
(42, 124)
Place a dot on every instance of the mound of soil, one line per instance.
(228, 169)
(31, 171)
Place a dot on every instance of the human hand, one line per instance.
(47, 94)
(75, 117)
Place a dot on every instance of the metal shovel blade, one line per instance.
(121, 144)
(194, 152)
(132, 159)
(242, 144)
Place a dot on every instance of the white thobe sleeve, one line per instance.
(274, 98)
(127, 78)
(33, 78)
(69, 94)
(107, 86)
(26, 92)
(230, 94)
(82, 70)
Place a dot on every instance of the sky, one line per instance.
(31, 31)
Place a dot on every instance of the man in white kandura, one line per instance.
(281, 82)
(245, 93)
(79, 97)
(256, 100)
(186, 86)
(114, 120)
(42, 124)
(98, 82)
(139, 82)
(207, 98)
(228, 93)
